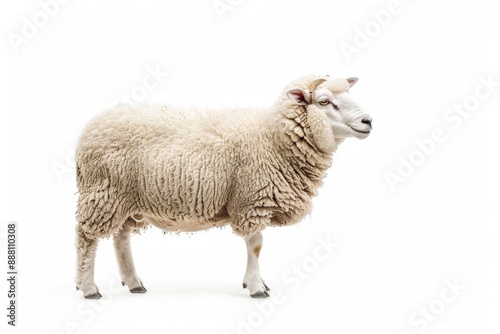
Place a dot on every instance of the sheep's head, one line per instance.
(330, 97)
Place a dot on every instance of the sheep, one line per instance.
(184, 171)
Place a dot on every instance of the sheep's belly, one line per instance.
(186, 225)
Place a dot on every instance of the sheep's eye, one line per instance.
(323, 102)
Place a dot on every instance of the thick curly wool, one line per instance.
(189, 170)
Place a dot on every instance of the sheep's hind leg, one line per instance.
(252, 281)
(125, 261)
(86, 251)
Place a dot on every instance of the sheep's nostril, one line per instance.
(367, 121)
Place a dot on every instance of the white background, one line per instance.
(397, 247)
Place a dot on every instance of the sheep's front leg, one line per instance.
(125, 261)
(252, 280)
(86, 250)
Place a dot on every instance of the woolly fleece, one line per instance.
(189, 170)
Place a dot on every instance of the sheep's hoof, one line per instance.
(260, 294)
(265, 286)
(139, 289)
(96, 295)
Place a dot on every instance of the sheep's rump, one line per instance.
(175, 168)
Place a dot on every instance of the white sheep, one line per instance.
(183, 170)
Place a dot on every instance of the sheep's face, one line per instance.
(345, 117)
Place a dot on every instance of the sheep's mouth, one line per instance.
(365, 132)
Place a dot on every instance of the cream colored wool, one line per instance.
(189, 170)
(180, 168)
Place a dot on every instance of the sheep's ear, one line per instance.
(352, 81)
(299, 96)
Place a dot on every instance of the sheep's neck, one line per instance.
(300, 152)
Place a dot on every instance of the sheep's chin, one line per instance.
(360, 134)
(341, 130)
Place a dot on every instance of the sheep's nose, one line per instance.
(367, 121)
